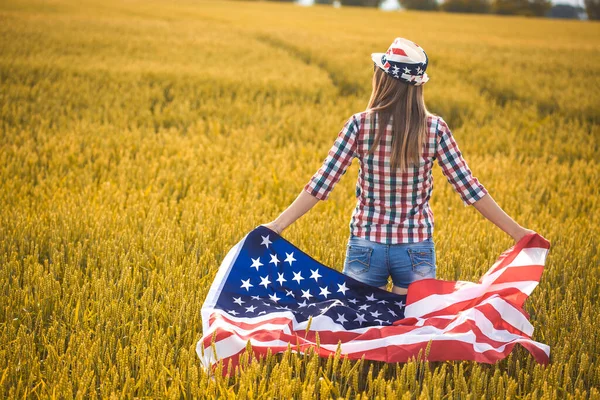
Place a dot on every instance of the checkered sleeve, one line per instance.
(455, 168)
(336, 163)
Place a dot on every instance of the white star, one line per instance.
(290, 258)
(289, 293)
(342, 288)
(255, 297)
(256, 263)
(399, 303)
(303, 304)
(266, 240)
(238, 300)
(360, 318)
(297, 277)
(396, 69)
(246, 284)
(391, 312)
(341, 319)
(382, 301)
(419, 70)
(264, 280)
(274, 259)
(406, 70)
(324, 291)
(232, 312)
(280, 278)
(315, 274)
(306, 293)
(371, 297)
(250, 309)
(274, 297)
(353, 301)
(262, 312)
(387, 320)
(375, 314)
(363, 307)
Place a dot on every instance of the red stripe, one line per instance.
(524, 273)
(511, 295)
(396, 50)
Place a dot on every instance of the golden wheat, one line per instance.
(141, 140)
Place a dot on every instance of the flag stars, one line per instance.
(290, 257)
(246, 284)
(315, 274)
(382, 302)
(264, 280)
(274, 259)
(238, 300)
(360, 318)
(341, 319)
(324, 291)
(303, 304)
(371, 297)
(353, 301)
(419, 70)
(232, 312)
(256, 263)
(364, 307)
(399, 304)
(265, 241)
(289, 293)
(392, 312)
(250, 309)
(375, 314)
(297, 277)
(280, 278)
(306, 293)
(342, 288)
(274, 297)
(406, 70)
(255, 297)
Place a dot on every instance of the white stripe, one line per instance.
(219, 282)
(526, 257)
(436, 302)
(511, 315)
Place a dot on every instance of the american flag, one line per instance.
(266, 291)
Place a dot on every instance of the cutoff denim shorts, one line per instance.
(372, 263)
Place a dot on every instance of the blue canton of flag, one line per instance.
(271, 275)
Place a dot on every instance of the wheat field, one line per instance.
(141, 140)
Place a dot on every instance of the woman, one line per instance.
(396, 140)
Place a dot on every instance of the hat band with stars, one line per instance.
(410, 73)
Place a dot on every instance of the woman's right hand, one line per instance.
(521, 233)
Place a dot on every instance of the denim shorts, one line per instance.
(372, 263)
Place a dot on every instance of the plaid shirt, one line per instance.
(393, 207)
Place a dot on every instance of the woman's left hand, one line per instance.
(273, 226)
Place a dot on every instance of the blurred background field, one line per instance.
(141, 140)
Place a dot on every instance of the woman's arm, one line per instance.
(303, 203)
(492, 211)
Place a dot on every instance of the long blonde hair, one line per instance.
(403, 103)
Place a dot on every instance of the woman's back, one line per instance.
(393, 207)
